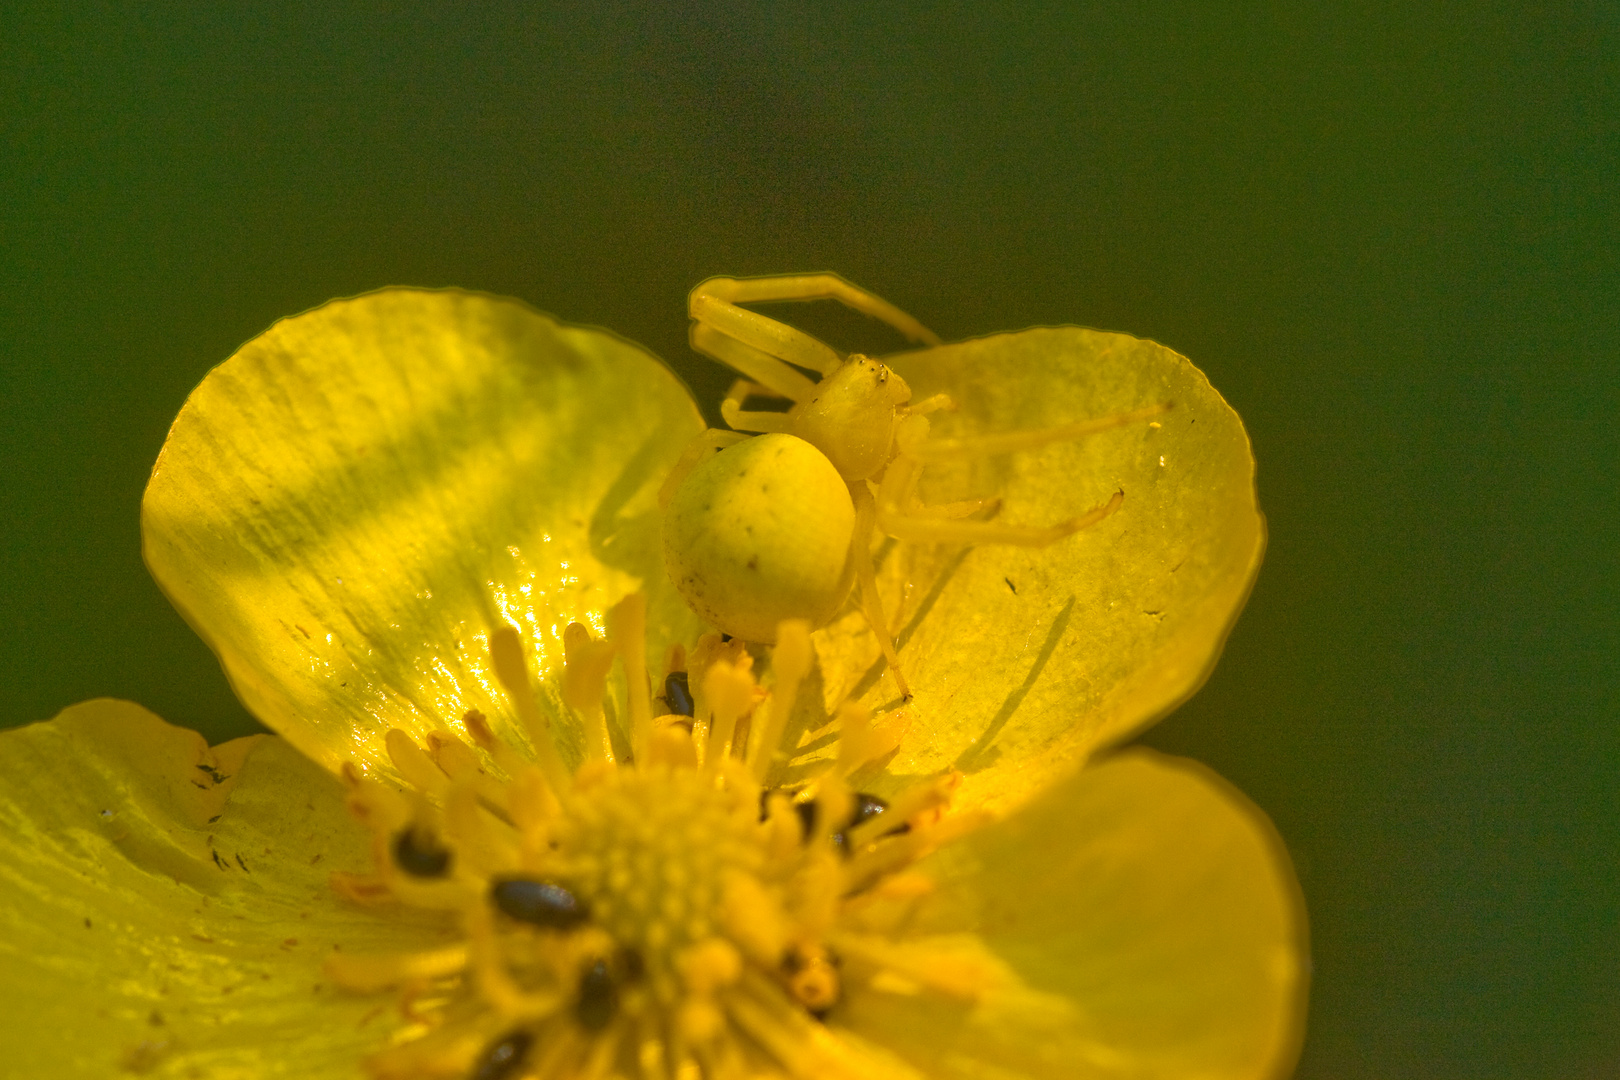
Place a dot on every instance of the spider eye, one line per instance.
(538, 903)
(419, 853)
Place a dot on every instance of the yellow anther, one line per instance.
(529, 800)
(367, 974)
(671, 744)
(699, 1021)
(379, 808)
(461, 764)
(784, 834)
(414, 764)
(863, 739)
(729, 690)
(753, 917)
(709, 965)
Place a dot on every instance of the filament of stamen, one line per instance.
(506, 653)
(627, 629)
(585, 671)
(729, 692)
(791, 662)
(700, 905)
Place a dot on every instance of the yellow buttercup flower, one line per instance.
(418, 526)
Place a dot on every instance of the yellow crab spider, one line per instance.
(774, 519)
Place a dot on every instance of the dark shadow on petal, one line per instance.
(926, 605)
(981, 754)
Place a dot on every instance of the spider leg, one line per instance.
(708, 441)
(817, 287)
(1011, 441)
(740, 419)
(916, 508)
(926, 530)
(900, 514)
(758, 365)
(934, 403)
(762, 348)
(860, 553)
(897, 494)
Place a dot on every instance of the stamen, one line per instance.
(368, 974)
(506, 652)
(458, 762)
(729, 690)
(666, 916)
(627, 630)
(928, 795)
(413, 763)
(586, 662)
(861, 739)
(484, 843)
(506, 759)
(791, 663)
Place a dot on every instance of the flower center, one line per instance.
(666, 916)
(649, 852)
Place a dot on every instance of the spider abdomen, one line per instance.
(760, 533)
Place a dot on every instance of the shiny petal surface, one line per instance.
(346, 507)
(1149, 923)
(164, 907)
(1024, 660)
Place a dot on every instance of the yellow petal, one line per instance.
(165, 908)
(1140, 919)
(346, 507)
(1024, 660)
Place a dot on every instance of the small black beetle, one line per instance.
(419, 853)
(538, 903)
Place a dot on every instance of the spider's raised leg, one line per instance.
(901, 515)
(860, 554)
(740, 419)
(707, 442)
(763, 348)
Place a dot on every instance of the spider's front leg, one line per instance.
(762, 348)
(900, 514)
(740, 419)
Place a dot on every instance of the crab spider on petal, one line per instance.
(775, 518)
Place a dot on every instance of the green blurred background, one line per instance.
(1387, 232)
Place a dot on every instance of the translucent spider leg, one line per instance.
(860, 554)
(901, 515)
(740, 419)
(1008, 442)
(761, 347)
(709, 441)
